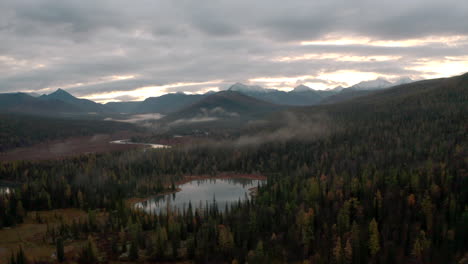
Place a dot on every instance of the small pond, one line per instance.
(202, 192)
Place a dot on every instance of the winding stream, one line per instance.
(128, 142)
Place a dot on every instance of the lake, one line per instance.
(200, 192)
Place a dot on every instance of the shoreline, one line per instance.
(221, 176)
(134, 200)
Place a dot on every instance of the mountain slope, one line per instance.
(414, 104)
(167, 103)
(344, 95)
(123, 107)
(362, 89)
(83, 105)
(24, 103)
(416, 95)
(58, 103)
(226, 109)
(246, 89)
(377, 84)
(301, 95)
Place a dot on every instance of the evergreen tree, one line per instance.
(133, 254)
(60, 250)
(88, 253)
(374, 242)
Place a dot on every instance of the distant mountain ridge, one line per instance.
(83, 104)
(242, 88)
(303, 95)
(24, 103)
(57, 103)
(301, 88)
(62, 102)
(363, 88)
(221, 110)
(379, 83)
(167, 103)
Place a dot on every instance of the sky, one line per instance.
(116, 50)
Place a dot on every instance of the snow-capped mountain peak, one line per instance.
(301, 88)
(403, 80)
(379, 83)
(337, 89)
(239, 87)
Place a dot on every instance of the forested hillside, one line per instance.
(386, 183)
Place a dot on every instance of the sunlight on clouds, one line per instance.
(208, 89)
(120, 77)
(354, 58)
(366, 41)
(280, 83)
(104, 79)
(350, 77)
(318, 85)
(449, 66)
(336, 57)
(8, 60)
(279, 79)
(448, 40)
(336, 41)
(18, 65)
(148, 91)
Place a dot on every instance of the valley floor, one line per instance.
(73, 146)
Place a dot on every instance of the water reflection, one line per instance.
(5, 190)
(201, 194)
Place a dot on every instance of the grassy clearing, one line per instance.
(30, 235)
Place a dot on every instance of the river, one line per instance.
(128, 142)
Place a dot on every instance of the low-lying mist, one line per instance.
(287, 126)
(284, 127)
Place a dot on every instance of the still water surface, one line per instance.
(200, 192)
(5, 190)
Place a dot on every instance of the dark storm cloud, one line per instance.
(83, 45)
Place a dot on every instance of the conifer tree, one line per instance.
(374, 242)
(60, 250)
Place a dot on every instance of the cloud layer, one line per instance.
(113, 49)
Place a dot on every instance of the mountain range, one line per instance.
(224, 104)
(225, 112)
(62, 103)
(83, 105)
(300, 96)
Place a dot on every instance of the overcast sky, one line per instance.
(110, 50)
